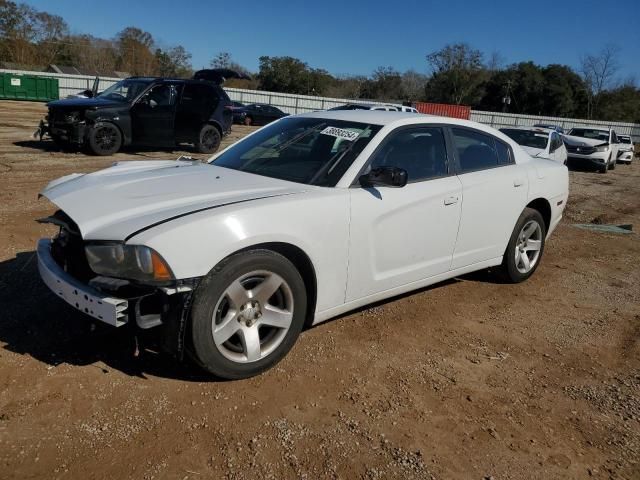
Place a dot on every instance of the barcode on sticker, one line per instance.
(340, 133)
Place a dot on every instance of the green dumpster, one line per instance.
(28, 87)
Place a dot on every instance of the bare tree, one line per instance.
(413, 84)
(224, 60)
(495, 61)
(598, 71)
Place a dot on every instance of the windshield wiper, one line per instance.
(300, 136)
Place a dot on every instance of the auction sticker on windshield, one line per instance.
(340, 133)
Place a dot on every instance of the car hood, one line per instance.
(117, 202)
(583, 142)
(84, 103)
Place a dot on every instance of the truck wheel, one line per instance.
(525, 247)
(208, 139)
(247, 314)
(612, 164)
(104, 139)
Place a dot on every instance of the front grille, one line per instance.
(581, 150)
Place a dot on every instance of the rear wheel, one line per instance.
(525, 247)
(104, 139)
(208, 139)
(247, 314)
(612, 164)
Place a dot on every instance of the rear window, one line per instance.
(527, 138)
(504, 153)
(198, 93)
(475, 150)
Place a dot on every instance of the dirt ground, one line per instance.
(469, 379)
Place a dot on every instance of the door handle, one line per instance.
(518, 182)
(450, 200)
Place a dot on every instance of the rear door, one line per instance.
(494, 193)
(197, 103)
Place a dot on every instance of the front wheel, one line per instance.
(247, 314)
(104, 139)
(525, 247)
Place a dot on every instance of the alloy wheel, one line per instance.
(528, 245)
(252, 316)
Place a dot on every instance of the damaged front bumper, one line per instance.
(68, 132)
(83, 297)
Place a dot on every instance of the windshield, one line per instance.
(125, 90)
(625, 139)
(590, 133)
(527, 138)
(314, 151)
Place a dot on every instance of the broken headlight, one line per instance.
(133, 262)
(72, 117)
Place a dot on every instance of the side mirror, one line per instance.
(385, 177)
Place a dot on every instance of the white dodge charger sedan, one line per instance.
(539, 142)
(307, 218)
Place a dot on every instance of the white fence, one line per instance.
(293, 104)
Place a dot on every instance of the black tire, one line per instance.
(612, 165)
(104, 139)
(207, 310)
(604, 168)
(248, 121)
(509, 270)
(208, 139)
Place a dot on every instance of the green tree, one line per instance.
(291, 75)
(458, 75)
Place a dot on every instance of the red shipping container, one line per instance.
(444, 110)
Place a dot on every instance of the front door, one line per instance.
(403, 235)
(152, 116)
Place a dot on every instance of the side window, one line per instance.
(195, 95)
(422, 152)
(475, 150)
(504, 153)
(163, 95)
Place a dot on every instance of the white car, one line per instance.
(375, 106)
(626, 151)
(539, 142)
(592, 146)
(305, 219)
